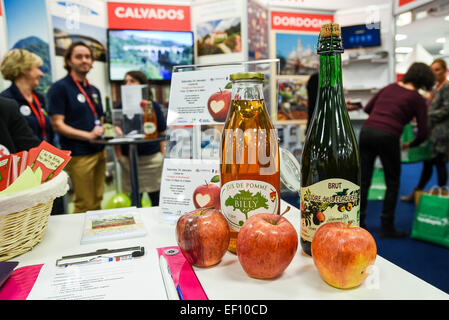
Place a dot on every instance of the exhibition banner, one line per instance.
(298, 21)
(24, 33)
(140, 16)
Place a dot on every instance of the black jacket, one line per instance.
(15, 134)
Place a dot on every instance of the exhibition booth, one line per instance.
(194, 55)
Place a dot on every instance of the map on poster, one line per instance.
(188, 184)
(200, 97)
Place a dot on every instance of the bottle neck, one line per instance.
(330, 70)
(247, 90)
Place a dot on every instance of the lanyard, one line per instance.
(89, 102)
(38, 113)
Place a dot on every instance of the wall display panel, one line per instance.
(294, 37)
(257, 30)
(25, 33)
(84, 21)
(220, 31)
(297, 53)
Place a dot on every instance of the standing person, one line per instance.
(151, 155)
(389, 111)
(75, 107)
(15, 134)
(438, 114)
(23, 69)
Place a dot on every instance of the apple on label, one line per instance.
(342, 253)
(207, 195)
(203, 236)
(266, 244)
(218, 105)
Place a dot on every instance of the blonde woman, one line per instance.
(23, 69)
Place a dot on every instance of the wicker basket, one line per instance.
(24, 216)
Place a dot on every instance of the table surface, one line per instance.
(126, 140)
(227, 280)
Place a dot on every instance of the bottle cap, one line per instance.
(247, 75)
(290, 170)
(330, 30)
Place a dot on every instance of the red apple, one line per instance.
(203, 236)
(266, 244)
(218, 105)
(207, 195)
(342, 254)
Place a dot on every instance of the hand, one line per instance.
(118, 131)
(96, 132)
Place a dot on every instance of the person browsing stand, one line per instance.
(76, 114)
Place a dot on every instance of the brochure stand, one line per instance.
(200, 97)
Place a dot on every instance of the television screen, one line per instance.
(152, 52)
(360, 36)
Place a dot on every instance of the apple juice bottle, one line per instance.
(249, 156)
(149, 120)
(330, 172)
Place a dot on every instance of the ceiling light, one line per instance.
(400, 37)
(441, 40)
(403, 49)
(404, 19)
(421, 15)
(446, 18)
(441, 51)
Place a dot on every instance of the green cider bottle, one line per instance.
(109, 132)
(330, 164)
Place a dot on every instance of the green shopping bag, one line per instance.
(378, 187)
(431, 221)
(418, 153)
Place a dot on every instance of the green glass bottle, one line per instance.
(330, 164)
(108, 126)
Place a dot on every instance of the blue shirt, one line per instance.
(13, 93)
(65, 98)
(147, 149)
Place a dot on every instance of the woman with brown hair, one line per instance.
(438, 114)
(151, 155)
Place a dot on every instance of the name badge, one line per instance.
(25, 110)
(81, 98)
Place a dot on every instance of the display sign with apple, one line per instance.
(188, 184)
(200, 96)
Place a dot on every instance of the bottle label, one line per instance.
(108, 130)
(149, 127)
(240, 199)
(328, 201)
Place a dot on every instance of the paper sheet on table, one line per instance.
(132, 279)
(132, 95)
(27, 180)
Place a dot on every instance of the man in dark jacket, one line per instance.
(15, 134)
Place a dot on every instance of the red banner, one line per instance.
(404, 2)
(138, 16)
(299, 21)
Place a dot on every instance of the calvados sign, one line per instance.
(141, 16)
(298, 21)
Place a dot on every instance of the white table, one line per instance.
(227, 280)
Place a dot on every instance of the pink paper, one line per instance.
(183, 275)
(20, 283)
